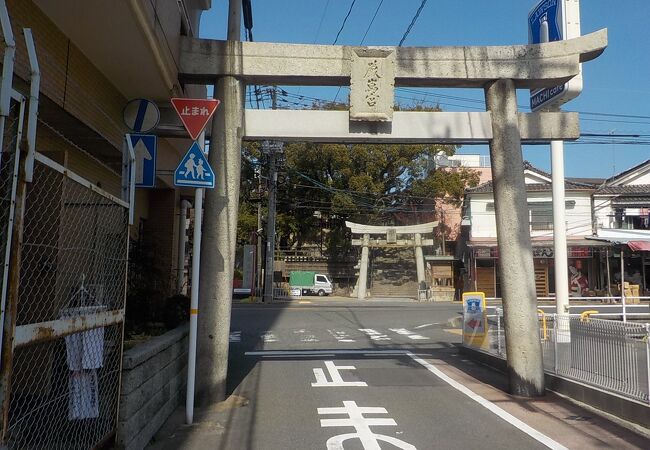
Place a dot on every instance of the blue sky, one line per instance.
(616, 95)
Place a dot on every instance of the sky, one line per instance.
(614, 102)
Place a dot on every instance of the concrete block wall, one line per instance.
(154, 377)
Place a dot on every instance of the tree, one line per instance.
(369, 183)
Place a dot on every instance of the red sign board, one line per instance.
(195, 113)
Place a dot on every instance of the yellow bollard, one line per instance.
(584, 315)
(544, 327)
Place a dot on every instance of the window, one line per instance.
(321, 279)
(540, 216)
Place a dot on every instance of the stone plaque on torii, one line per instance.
(372, 73)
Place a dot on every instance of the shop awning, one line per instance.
(634, 243)
(639, 246)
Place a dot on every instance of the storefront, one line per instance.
(633, 255)
(586, 274)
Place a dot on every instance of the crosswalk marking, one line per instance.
(268, 336)
(341, 336)
(374, 334)
(409, 334)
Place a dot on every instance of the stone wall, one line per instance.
(154, 376)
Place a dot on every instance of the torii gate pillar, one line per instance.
(419, 259)
(363, 269)
(515, 248)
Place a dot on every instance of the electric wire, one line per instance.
(344, 22)
(415, 18)
(381, 2)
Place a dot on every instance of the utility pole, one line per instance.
(272, 149)
(220, 229)
(258, 233)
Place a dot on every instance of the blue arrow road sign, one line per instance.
(194, 170)
(550, 21)
(145, 149)
(546, 16)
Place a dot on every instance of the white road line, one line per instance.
(267, 336)
(424, 326)
(512, 420)
(341, 336)
(409, 334)
(309, 338)
(273, 353)
(235, 336)
(374, 334)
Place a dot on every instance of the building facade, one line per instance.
(94, 57)
(602, 217)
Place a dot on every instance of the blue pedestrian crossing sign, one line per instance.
(145, 149)
(194, 170)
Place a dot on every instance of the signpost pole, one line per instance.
(553, 21)
(194, 299)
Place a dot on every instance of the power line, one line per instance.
(415, 18)
(344, 21)
(371, 21)
(320, 23)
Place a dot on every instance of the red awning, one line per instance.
(639, 246)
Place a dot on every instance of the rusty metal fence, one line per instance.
(65, 313)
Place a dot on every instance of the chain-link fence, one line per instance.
(69, 314)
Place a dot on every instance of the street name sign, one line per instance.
(195, 113)
(145, 147)
(549, 21)
(194, 170)
(141, 115)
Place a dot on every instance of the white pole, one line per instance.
(182, 241)
(194, 299)
(623, 285)
(559, 239)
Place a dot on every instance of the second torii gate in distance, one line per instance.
(391, 239)
(372, 73)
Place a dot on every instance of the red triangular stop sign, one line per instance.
(195, 113)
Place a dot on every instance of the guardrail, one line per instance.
(609, 354)
(605, 310)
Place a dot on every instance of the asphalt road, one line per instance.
(348, 375)
(292, 361)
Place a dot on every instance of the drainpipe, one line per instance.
(32, 118)
(150, 35)
(182, 241)
(7, 69)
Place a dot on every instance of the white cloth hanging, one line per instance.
(84, 350)
(83, 399)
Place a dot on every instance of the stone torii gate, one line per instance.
(372, 73)
(391, 239)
